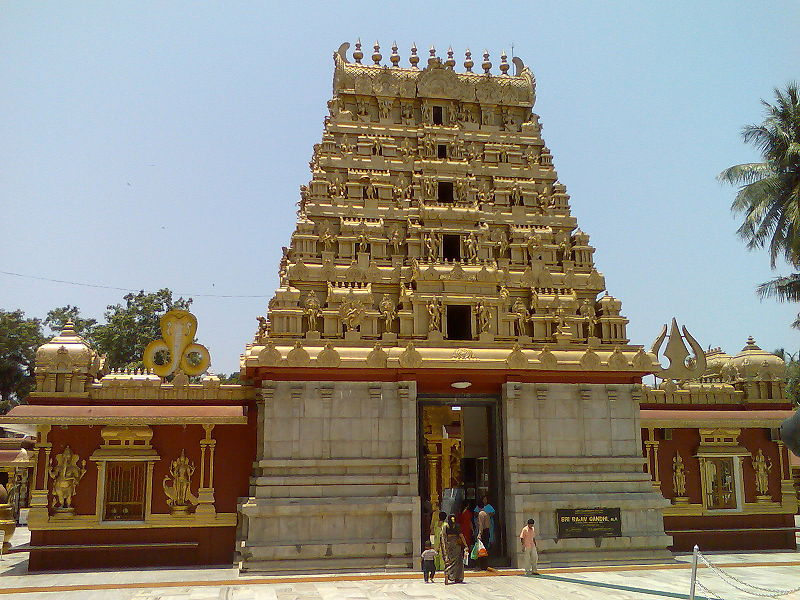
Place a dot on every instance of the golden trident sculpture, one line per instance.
(177, 329)
(679, 368)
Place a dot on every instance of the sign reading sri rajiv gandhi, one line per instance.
(588, 522)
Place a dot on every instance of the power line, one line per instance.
(122, 289)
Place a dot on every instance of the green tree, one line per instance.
(19, 339)
(226, 379)
(129, 327)
(58, 317)
(792, 374)
(769, 191)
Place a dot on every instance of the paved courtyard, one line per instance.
(768, 570)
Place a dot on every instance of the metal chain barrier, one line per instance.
(733, 581)
(708, 592)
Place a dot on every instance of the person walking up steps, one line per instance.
(530, 554)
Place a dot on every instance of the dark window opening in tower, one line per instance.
(445, 191)
(459, 322)
(441, 151)
(451, 247)
(438, 115)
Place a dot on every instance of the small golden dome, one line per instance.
(67, 363)
(754, 363)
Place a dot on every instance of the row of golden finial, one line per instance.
(450, 62)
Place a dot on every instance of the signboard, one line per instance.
(588, 522)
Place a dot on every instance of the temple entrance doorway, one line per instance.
(461, 464)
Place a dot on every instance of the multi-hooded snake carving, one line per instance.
(178, 328)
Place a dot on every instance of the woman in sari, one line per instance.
(452, 548)
(437, 540)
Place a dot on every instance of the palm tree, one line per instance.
(769, 192)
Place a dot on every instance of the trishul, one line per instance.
(677, 354)
(177, 328)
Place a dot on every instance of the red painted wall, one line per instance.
(211, 546)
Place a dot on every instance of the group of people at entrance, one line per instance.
(463, 540)
(466, 539)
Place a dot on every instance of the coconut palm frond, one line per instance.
(784, 288)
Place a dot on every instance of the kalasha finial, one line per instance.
(376, 56)
(468, 62)
(504, 66)
(486, 64)
(432, 52)
(395, 57)
(450, 62)
(413, 59)
(357, 53)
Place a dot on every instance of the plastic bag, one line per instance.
(478, 550)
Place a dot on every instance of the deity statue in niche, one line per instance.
(388, 312)
(434, 315)
(352, 312)
(66, 474)
(327, 239)
(762, 466)
(396, 240)
(431, 246)
(516, 196)
(678, 476)
(534, 245)
(471, 244)
(501, 243)
(407, 113)
(483, 313)
(179, 493)
(521, 316)
(504, 295)
(312, 309)
(362, 242)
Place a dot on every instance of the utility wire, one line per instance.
(122, 289)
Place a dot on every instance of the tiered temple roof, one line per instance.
(434, 232)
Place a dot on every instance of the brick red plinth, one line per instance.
(131, 548)
(732, 532)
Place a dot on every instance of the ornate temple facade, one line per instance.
(440, 335)
(440, 329)
(713, 449)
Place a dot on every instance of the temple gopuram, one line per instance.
(440, 337)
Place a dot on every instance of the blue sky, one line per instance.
(152, 144)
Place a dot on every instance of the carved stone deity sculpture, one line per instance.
(762, 466)
(521, 316)
(434, 315)
(179, 493)
(312, 310)
(388, 311)
(484, 316)
(471, 244)
(431, 246)
(396, 240)
(327, 239)
(67, 473)
(263, 330)
(678, 476)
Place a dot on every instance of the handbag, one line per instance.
(482, 551)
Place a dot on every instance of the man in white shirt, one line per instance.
(530, 554)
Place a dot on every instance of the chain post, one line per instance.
(693, 582)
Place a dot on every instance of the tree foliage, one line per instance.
(58, 317)
(19, 339)
(769, 191)
(792, 374)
